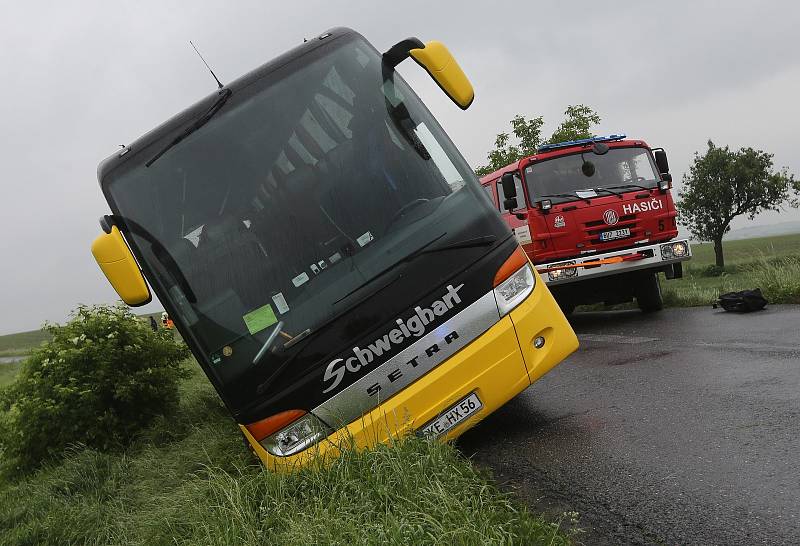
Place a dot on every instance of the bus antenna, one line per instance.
(219, 83)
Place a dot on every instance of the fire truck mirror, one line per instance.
(600, 148)
(587, 168)
(509, 188)
(661, 161)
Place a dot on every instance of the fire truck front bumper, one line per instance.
(659, 256)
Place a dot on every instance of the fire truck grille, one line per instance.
(593, 223)
(593, 228)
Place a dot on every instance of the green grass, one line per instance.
(22, 342)
(8, 372)
(189, 480)
(747, 250)
(769, 263)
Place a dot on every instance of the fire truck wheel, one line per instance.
(648, 293)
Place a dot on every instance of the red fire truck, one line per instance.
(596, 218)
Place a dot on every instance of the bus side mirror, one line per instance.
(120, 268)
(661, 161)
(439, 63)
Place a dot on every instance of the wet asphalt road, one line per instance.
(681, 427)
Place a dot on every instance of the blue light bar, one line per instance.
(555, 146)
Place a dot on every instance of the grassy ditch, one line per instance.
(189, 480)
(769, 263)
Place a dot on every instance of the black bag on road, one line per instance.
(742, 302)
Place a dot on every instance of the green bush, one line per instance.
(103, 377)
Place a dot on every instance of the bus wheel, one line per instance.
(648, 294)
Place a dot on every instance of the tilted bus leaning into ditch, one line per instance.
(328, 255)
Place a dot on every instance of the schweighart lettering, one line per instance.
(413, 326)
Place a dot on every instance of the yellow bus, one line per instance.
(328, 255)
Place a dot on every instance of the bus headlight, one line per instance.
(300, 435)
(512, 291)
(288, 432)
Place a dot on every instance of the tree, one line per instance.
(722, 184)
(528, 134)
(576, 125)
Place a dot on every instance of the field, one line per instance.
(19, 344)
(769, 263)
(747, 250)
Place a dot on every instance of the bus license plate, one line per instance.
(615, 234)
(452, 416)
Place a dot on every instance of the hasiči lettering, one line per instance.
(644, 206)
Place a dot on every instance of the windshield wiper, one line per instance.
(202, 120)
(609, 191)
(484, 240)
(405, 259)
(630, 186)
(280, 369)
(268, 343)
(572, 195)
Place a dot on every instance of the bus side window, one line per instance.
(520, 195)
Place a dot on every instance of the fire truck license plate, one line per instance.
(615, 234)
(452, 416)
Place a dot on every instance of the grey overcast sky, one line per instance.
(80, 78)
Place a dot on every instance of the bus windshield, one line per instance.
(302, 191)
(620, 168)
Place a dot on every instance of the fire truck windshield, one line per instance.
(560, 177)
(308, 183)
